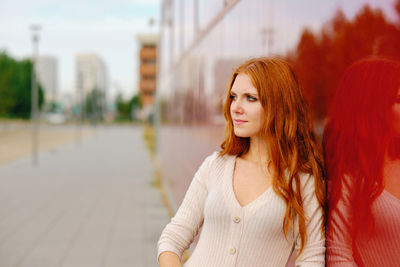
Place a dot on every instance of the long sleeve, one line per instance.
(314, 250)
(339, 242)
(184, 226)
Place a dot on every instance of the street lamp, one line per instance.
(35, 95)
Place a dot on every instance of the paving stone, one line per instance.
(88, 205)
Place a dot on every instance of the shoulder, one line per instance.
(306, 179)
(214, 166)
(215, 160)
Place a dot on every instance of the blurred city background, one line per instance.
(107, 108)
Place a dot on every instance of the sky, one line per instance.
(107, 28)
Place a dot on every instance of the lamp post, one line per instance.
(268, 32)
(35, 95)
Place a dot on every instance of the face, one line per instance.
(395, 116)
(246, 110)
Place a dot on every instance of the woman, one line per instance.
(361, 142)
(261, 196)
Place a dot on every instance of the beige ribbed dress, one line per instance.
(233, 235)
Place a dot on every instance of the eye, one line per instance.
(232, 97)
(251, 98)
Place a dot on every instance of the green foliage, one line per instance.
(53, 107)
(136, 102)
(16, 87)
(94, 105)
(122, 108)
(128, 109)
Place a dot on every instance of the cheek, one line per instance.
(260, 115)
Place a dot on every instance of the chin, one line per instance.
(241, 134)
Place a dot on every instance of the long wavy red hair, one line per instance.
(357, 135)
(288, 132)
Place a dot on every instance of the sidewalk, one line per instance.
(90, 205)
(16, 138)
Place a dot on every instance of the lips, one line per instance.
(239, 122)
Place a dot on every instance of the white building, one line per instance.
(47, 72)
(91, 73)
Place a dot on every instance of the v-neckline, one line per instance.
(251, 203)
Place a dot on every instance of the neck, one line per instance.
(258, 151)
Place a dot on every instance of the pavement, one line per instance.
(85, 205)
(16, 138)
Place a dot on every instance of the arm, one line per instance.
(184, 226)
(313, 253)
(339, 241)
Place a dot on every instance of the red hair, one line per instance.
(356, 137)
(288, 132)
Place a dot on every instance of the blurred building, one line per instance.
(91, 73)
(147, 72)
(47, 71)
(91, 81)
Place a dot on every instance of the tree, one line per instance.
(16, 87)
(127, 110)
(122, 108)
(94, 105)
(135, 106)
(321, 58)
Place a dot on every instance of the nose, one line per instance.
(236, 107)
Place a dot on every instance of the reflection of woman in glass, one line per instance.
(261, 196)
(362, 150)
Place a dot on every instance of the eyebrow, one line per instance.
(248, 93)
